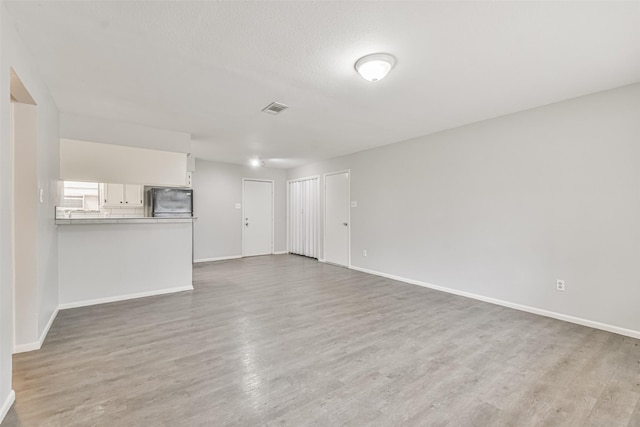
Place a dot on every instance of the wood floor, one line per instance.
(285, 340)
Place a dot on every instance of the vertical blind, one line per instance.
(304, 198)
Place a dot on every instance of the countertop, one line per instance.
(132, 220)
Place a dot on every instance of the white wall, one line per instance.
(85, 128)
(504, 207)
(98, 162)
(109, 262)
(13, 54)
(25, 136)
(217, 187)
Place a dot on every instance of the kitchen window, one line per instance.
(79, 195)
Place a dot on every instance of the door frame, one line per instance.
(273, 190)
(12, 236)
(306, 178)
(324, 214)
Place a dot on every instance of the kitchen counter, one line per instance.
(123, 220)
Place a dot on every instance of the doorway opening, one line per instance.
(24, 213)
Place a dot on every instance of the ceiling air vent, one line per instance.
(274, 108)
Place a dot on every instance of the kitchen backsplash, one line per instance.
(102, 213)
(122, 212)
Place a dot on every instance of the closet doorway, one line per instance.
(303, 201)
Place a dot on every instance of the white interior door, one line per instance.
(336, 202)
(257, 221)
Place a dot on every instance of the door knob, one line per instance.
(345, 224)
(246, 224)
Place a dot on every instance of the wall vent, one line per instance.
(274, 108)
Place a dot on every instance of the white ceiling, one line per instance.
(208, 68)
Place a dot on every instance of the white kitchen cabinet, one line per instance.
(133, 195)
(121, 195)
(112, 195)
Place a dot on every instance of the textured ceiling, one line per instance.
(208, 68)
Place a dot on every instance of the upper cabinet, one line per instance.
(121, 195)
(133, 195)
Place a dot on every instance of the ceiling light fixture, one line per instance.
(376, 66)
(256, 162)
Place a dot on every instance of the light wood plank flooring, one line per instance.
(285, 340)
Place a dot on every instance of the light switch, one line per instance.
(42, 195)
(354, 204)
(238, 206)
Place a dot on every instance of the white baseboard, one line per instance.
(7, 404)
(221, 258)
(123, 297)
(45, 331)
(224, 258)
(577, 320)
(23, 348)
(322, 260)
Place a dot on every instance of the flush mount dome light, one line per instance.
(376, 66)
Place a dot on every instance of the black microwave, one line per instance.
(171, 202)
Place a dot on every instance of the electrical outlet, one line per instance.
(364, 252)
(559, 285)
